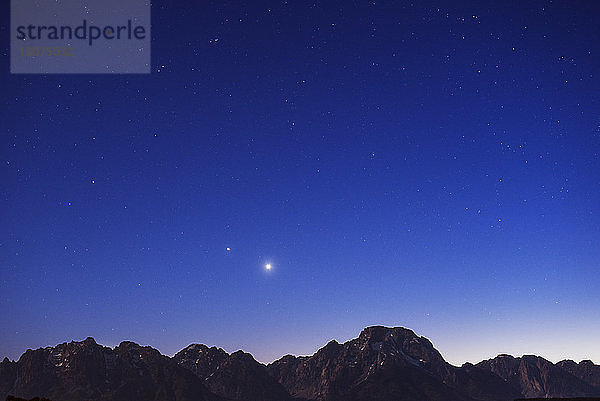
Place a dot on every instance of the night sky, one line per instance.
(433, 165)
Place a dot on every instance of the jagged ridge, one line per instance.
(380, 364)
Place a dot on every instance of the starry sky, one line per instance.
(433, 165)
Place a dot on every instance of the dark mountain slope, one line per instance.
(534, 376)
(237, 376)
(381, 364)
(86, 371)
(584, 370)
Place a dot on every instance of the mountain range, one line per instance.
(382, 363)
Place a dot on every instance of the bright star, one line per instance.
(268, 266)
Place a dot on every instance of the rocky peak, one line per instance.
(381, 333)
(380, 364)
(89, 341)
(86, 371)
(128, 345)
(197, 350)
(399, 343)
(237, 376)
(585, 370)
(357, 365)
(200, 359)
(243, 357)
(503, 365)
(534, 376)
(8, 375)
(137, 351)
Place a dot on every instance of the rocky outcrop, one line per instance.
(584, 370)
(86, 371)
(8, 376)
(533, 376)
(382, 363)
(237, 376)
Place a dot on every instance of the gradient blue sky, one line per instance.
(433, 165)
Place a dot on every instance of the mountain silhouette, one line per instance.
(382, 363)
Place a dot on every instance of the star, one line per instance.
(268, 266)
